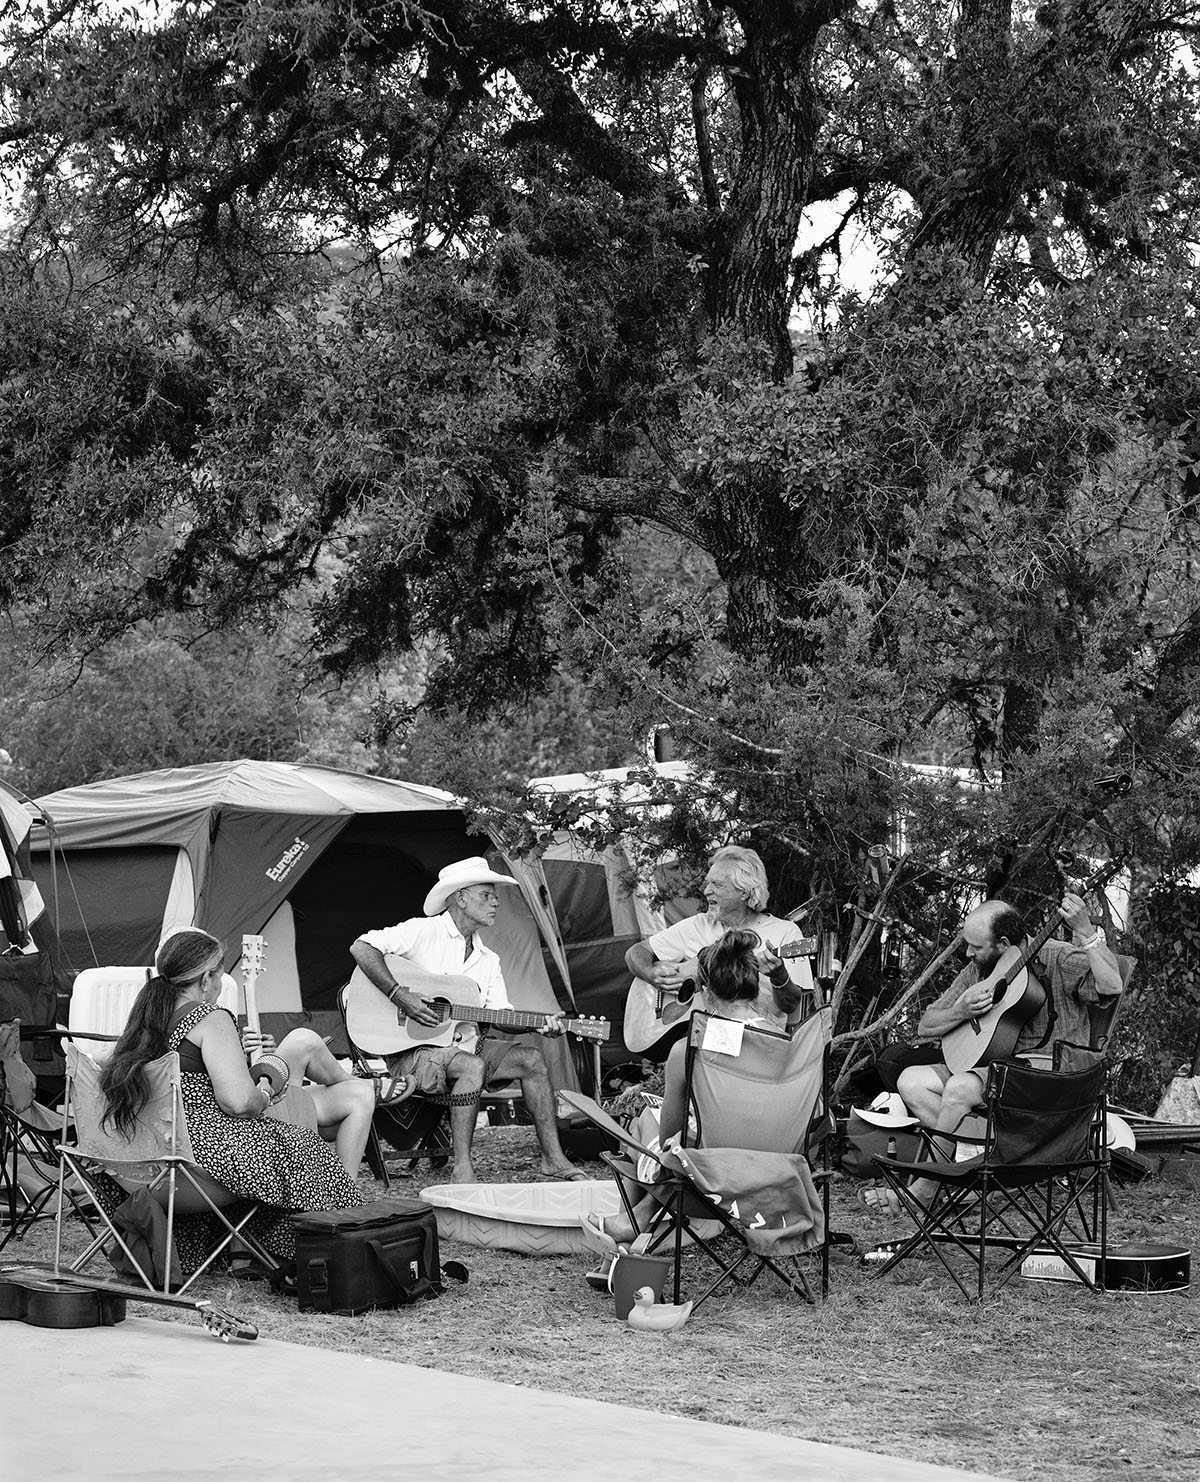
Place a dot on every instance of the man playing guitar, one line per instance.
(736, 891)
(1074, 974)
(446, 942)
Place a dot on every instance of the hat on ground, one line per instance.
(1118, 1133)
(457, 876)
(887, 1110)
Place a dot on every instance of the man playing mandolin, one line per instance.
(1073, 974)
(446, 942)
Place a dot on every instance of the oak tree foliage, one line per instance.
(452, 316)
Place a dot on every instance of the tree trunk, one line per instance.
(975, 203)
(754, 239)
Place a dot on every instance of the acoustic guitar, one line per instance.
(376, 1026)
(290, 1103)
(652, 1013)
(43, 1298)
(1016, 995)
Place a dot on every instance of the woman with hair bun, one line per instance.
(283, 1165)
(736, 979)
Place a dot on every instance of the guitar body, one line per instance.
(376, 1026)
(649, 1031)
(994, 1035)
(646, 1031)
(34, 1295)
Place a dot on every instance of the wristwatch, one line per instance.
(1097, 939)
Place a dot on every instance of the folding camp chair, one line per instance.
(29, 1167)
(156, 1157)
(760, 1107)
(1039, 1185)
(29, 1159)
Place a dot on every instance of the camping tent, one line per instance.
(605, 901)
(309, 857)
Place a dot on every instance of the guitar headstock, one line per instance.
(591, 1028)
(253, 950)
(1081, 884)
(224, 1325)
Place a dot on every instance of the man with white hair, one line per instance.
(735, 888)
(447, 941)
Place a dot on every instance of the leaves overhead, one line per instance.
(445, 315)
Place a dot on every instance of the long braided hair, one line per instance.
(182, 959)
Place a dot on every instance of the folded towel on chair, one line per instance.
(771, 1195)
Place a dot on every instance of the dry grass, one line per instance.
(1044, 1381)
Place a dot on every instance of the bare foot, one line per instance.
(463, 1173)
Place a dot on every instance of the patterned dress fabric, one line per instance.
(287, 1167)
(282, 1165)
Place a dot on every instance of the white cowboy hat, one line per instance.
(1118, 1132)
(457, 876)
(887, 1110)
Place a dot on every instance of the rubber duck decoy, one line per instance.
(650, 1316)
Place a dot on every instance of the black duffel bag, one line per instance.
(383, 1254)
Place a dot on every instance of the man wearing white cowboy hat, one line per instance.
(446, 941)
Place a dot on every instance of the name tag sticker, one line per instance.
(724, 1036)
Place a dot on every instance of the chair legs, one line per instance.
(1003, 1217)
(28, 1156)
(673, 1221)
(175, 1179)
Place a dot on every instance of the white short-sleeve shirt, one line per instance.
(436, 944)
(687, 937)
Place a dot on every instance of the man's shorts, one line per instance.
(427, 1064)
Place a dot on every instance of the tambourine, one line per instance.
(274, 1069)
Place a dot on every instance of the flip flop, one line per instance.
(598, 1279)
(596, 1237)
(568, 1175)
(389, 1089)
(879, 1199)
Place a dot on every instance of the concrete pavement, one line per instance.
(158, 1400)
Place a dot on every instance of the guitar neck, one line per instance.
(251, 1002)
(1055, 920)
(253, 948)
(505, 1018)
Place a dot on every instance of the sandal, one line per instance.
(878, 1198)
(243, 1267)
(600, 1279)
(596, 1237)
(390, 1089)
